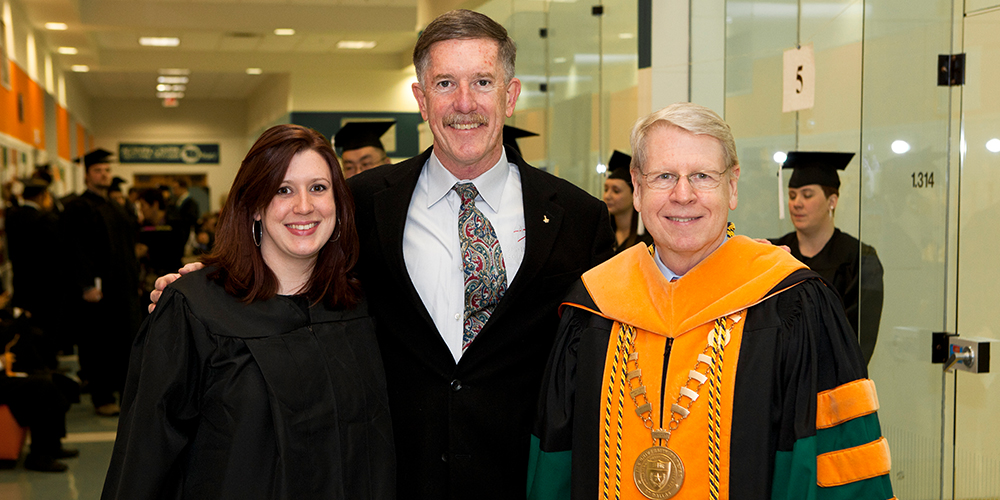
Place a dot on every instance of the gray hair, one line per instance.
(464, 24)
(693, 118)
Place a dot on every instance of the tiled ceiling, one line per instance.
(220, 39)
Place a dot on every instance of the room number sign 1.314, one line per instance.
(922, 179)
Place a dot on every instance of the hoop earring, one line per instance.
(257, 231)
(336, 235)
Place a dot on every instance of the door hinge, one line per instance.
(951, 70)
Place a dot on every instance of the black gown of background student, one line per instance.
(856, 273)
(268, 400)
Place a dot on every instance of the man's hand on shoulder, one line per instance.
(163, 281)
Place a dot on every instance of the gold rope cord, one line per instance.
(718, 345)
(625, 334)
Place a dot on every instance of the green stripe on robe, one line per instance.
(548, 473)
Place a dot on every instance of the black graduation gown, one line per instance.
(252, 401)
(855, 271)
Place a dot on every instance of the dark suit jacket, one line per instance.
(462, 431)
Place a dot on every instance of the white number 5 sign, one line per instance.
(798, 79)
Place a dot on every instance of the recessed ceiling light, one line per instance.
(626, 36)
(355, 44)
(162, 87)
(80, 68)
(56, 26)
(159, 41)
(254, 71)
(67, 50)
(175, 71)
(165, 95)
(172, 79)
(284, 32)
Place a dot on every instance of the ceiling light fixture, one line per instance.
(254, 71)
(355, 44)
(67, 50)
(626, 36)
(159, 41)
(80, 68)
(284, 32)
(172, 79)
(56, 26)
(175, 71)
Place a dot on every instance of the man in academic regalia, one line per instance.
(708, 366)
(102, 242)
(852, 267)
(361, 146)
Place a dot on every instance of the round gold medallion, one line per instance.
(658, 473)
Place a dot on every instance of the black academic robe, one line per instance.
(855, 272)
(101, 244)
(252, 401)
(795, 345)
(37, 255)
(462, 429)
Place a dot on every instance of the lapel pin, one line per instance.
(545, 219)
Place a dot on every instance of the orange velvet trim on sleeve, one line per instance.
(853, 464)
(840, 404)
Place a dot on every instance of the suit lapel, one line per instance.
(391, 207)
(542, 219)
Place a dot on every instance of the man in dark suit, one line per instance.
(462, 410)
(462, 406)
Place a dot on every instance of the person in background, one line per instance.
(182, 214)
(36, 249)
(707, 366)
(101, 238)
(259, 376)
(618, 196)
(852, 267)
(360, 145)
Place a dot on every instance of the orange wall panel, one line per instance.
(33, 105)
(62, 132)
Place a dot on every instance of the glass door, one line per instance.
(976, 452)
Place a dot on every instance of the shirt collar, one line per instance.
(490, 184)
(667, 273)
(29, 203)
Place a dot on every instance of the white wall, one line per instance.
(146, 121)
(345, 90)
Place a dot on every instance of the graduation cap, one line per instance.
(512, 134)
(356, 135)
(33, 187)
(95, 157)
(618, 167)
(812, 167)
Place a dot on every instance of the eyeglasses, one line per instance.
(702, 181)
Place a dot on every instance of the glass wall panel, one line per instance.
(579, 82)
(977, 440)
(905, 216)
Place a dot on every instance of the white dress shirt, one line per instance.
(431, 247)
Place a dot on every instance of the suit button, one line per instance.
(456, 385)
